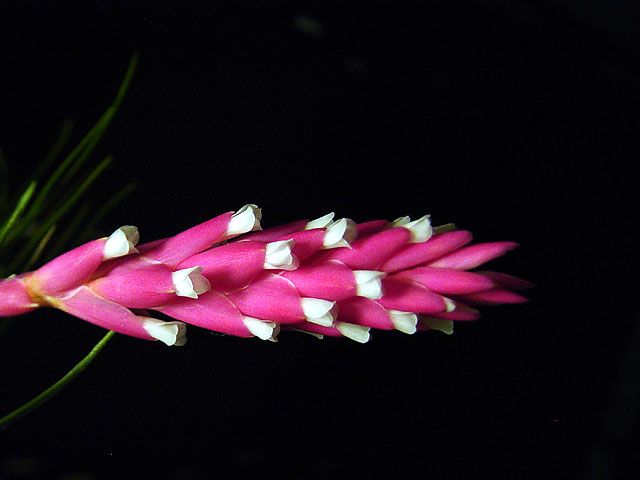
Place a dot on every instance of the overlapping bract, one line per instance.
(324, 277)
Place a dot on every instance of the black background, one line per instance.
(517, 120)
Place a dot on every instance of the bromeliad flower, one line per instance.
(323, 277)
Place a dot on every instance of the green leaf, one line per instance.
(34, 403)
(58, 211)
(67, 169)
(42, 244)
(4, 185)
(21, 205)
(69, 232)
(106, 208)
(56, 149)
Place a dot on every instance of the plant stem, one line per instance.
(34, 403)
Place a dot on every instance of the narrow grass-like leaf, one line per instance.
(126, 81)
(83, 155)
(55, 150)
(82, 150)
(34, 403)
(23, 201)
(39, 172)
(70, 231)
(68, 202)
(4, 185)
(74, 160)
(57, 212)
(42, 244)
(97, 217)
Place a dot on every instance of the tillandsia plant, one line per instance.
(326, 277)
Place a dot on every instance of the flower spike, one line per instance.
(324, 277)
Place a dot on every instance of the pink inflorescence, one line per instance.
(324, 277)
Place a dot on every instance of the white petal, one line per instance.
(450, 304)
(132, 233)
(447, 227)
(121, 242)
(169, 333)
(351, 232)
(440, 324)
(340, 233)
(189, 282)
(321, 222)
(404, 322)
(324, 321)
(368, 283)
(316, 307)
(420, 229)
(247, 219)
(318, 311)
(200, 283)
(278, 256)
(260, 328)
(355, 332)
(274, 336)
(400, 221)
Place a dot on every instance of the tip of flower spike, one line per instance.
(321, 222)
(340, 233)
(420, 229)
(368, 283)
(318, 311)
(354, 332)
(507, 281)
(189, 282)
(439, 324)
(278, 256)
(262, 329)
(169, 333)
(247, 219)
(405, 322)
(121, 242)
